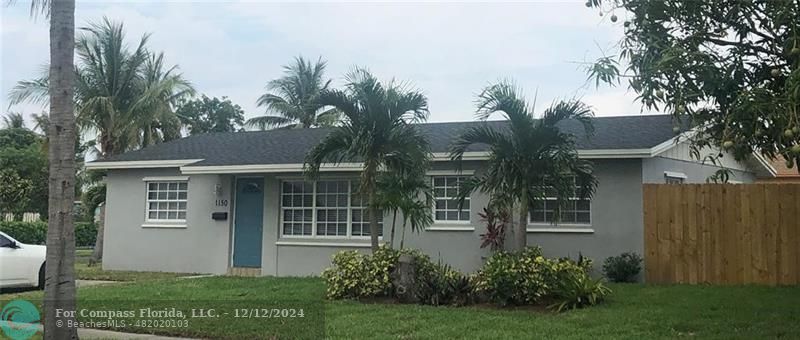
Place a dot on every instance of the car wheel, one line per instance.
(41, 276)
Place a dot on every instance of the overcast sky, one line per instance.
(447, 50)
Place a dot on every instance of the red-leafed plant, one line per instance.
(496, 220)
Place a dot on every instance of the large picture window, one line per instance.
(445, 195)
(166, 201)
(576, 211)
(328, 208)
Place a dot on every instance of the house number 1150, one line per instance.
(221, 203)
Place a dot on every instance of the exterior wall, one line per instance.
(204, 246)
(199, 247)
(616, 219)
(616, 227)
(696, 172)
(679, 159)
(682, 151)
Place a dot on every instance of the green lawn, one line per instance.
(96, 272)
(633, 312)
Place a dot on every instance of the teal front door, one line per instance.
(248, 222)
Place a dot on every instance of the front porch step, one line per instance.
(244, 271)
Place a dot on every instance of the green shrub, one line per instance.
(355, 275)
(444, 286)
(36, 232)
(623, 268)
(85, 234)
(515, 278)
(525, 277)
(575, 289)
(26, 232)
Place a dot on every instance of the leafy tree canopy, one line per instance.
(728, 66)
(24, 172)
(205, 115)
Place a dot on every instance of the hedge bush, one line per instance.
(507, 278)
(36, 232)
(528, 278)
(355, 275)
(623, 268)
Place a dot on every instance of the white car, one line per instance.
(21, 265)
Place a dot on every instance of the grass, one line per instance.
(632, 312)
(84, 272)
(96, 272)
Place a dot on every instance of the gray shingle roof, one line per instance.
(289, 146)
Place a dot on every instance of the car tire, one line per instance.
(41, 277)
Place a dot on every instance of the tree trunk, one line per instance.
(97, 252)
(403, 235)
(59, 287)
(520, 235)
(394, 223)
(373, 222)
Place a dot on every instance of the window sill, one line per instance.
(564, 230)
(450, 227)
(323, 244)
(164, 226)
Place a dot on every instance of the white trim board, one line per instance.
(165, 178)
(169, 163)
(323, 244)
(265, 168)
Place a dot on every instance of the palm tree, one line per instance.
(531, 158)
(401, 192)
(378, 129)
(163, 89)
(59, 283)
(13, 120)
(294, 99)
(127, 97)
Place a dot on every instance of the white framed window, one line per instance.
(166, 201)
(577, 211)
(445, 196)
(325, 209)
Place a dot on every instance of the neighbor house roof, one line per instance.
(289, 146)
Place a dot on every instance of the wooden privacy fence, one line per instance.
(722, 233)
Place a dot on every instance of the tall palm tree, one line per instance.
(13, 120)
(59, 282)
(127, 96)
(531, 158)
(294, 99)
(409, 194)
(163, 89)
(378, 129)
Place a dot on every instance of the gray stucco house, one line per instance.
(238, 203)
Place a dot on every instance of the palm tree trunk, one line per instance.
(59, 291)
(403, 234)
(394, 222)
(106, 150)
(373, 222)
(368, 177)
(97, 252)
(520, 236)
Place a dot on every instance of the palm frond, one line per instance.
(35, 91)
(335, 147)
(572, 109)
(267, 122)
(329, 117)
